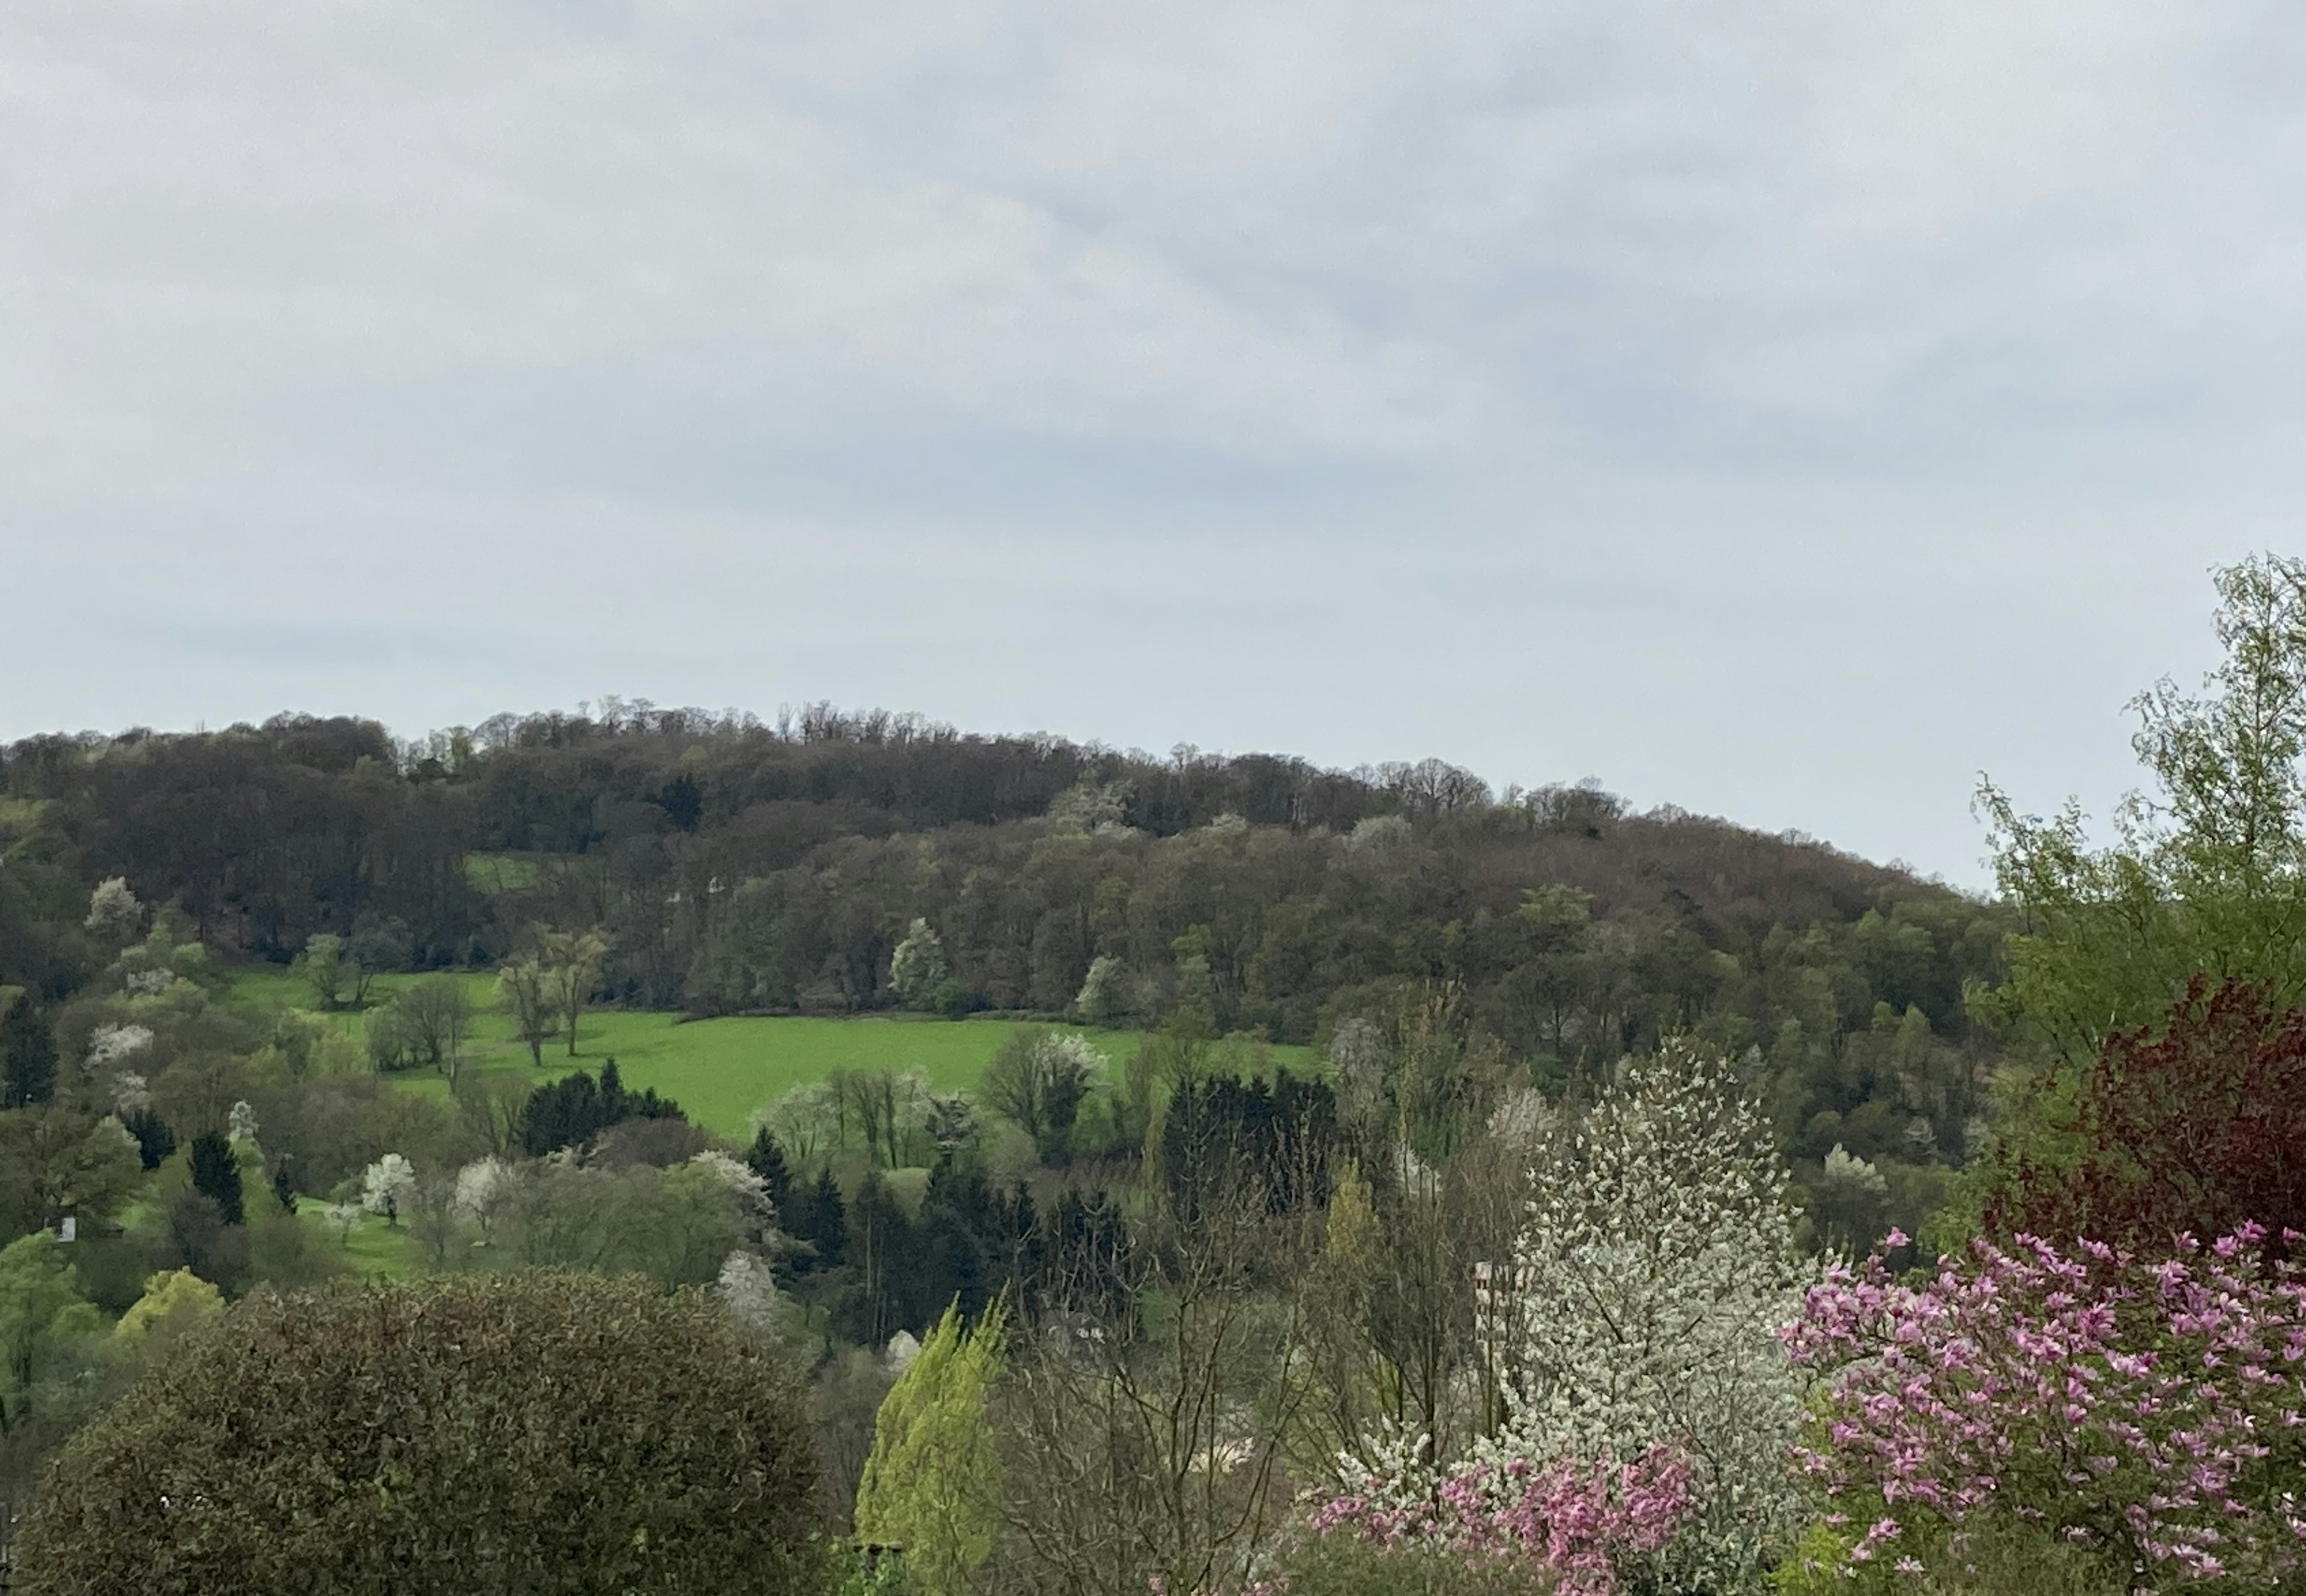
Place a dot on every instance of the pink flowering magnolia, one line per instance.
(1577, 1521)
(2151, 1411)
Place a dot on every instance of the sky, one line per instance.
(1788, 409)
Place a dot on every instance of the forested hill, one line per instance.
(737, 865)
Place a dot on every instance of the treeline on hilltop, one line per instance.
(741, 866)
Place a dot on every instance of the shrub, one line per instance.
(2139, 1416)
(2191, 1127)
(524, 1434)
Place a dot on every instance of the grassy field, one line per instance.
(719, 1071)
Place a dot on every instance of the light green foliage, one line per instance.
(54, 1161)
(520, 1435)
(572, 963)
(44, 1320)
(172, 1300)
(323, 966)
(933, 1484)
(676, 1227)
(2207, 873)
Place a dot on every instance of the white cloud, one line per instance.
(1391, 366)
(1925, 114)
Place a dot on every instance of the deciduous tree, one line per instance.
(572, 968)
(322, 965)
(525, 993)
(933, 1483)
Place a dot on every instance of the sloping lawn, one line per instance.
(719, 1071)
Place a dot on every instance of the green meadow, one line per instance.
(719, 1071)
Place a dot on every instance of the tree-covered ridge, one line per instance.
(737, 865)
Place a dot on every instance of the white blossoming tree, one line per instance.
(757, 1211)
(749, 1286)
(917, 969)
(113, 913)
(387, 1185)
(1657, 1263)
(110, 1045)
(484, 1187)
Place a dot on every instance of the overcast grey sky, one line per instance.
(1786, 409)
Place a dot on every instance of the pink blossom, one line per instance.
(1576, 1520)
(2122, 1405)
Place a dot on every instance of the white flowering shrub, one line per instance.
(110, 1045)
(754, 1207)
(749, 1288)
(240, 1124)
(1070, 1053)
(387, 1185)
(1656, 1265)
(1382, 836)
(130, 1093)
(1844, 1169)
(149, 983)
(1523, 1118)
(903, 1347)
(113, 911)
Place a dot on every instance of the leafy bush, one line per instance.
(527, 1434)
(2190, 1127)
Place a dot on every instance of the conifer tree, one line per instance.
(28, 1054)
(216, 1174)
(828, 1221)
(767, 1160)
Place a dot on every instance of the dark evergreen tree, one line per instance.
(766, 1160)
(1084, 1251)
(881, 1253)
(154, 1139)
(28, 1054)
(284, 1191)
(573, 1109)
(216, 1174)
(820, 1219)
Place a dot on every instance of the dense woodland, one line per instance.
(1669, 1210)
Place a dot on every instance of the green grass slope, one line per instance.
(719, 1071)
